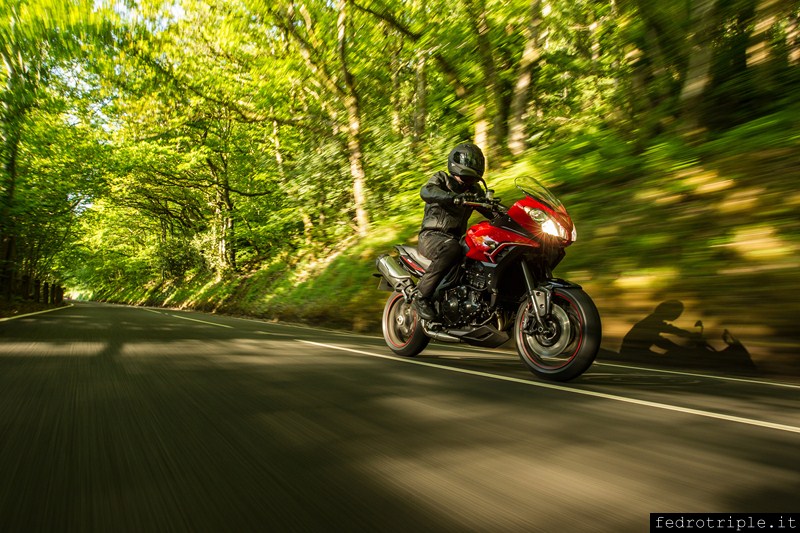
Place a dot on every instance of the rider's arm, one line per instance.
(435, 191)
(674, 330)
(480, 195)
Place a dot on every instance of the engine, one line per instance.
(476, 276)
(467, 303)
(463, 306)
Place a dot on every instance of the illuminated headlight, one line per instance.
(574, 234)
(549, 226)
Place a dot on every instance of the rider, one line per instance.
(649, 332)
(446, 217)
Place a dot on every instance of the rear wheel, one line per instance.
(569, 341)
(402, 330)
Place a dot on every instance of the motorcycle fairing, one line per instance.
(485, 241)
(485, 336)
(520, 211)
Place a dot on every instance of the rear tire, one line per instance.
(571, 344)
(401, 326)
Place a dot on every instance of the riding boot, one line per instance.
(424, 308)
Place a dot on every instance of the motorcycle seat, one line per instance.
(412, 253)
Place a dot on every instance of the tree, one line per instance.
(38, 41)
(326, 55)
(522, 88)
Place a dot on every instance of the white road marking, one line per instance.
(201, 321)
(708, 376)
(545, 385)
(35, 313)
(464, 347)
(651, 369)
(186, 318)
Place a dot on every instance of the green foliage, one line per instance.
(223, 153)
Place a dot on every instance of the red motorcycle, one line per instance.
(504, 286)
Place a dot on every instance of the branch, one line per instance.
(287, 23)
(392, 21)
(245, 115)
(448, 69)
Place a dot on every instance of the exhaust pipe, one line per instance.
(439, 335)
(391, 270)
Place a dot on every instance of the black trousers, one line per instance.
(444, 251)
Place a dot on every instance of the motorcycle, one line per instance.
(699, 353)
(503, 288)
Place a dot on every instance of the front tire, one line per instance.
(569, 345)
(401, 326)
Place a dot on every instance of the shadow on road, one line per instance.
(656, 341)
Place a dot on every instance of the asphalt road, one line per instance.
(116, 418)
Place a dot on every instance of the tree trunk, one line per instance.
(227, 228)
(488, 104)
(522, 88)
(276, 142)
(759, 47)
(656, 88)
(482, 131)
(354, 145)
(308, 225)
(700, 55)
(420, 99)
(224, 230)
(8, 230)
(395, 100)
(357, 165)
(793, 40)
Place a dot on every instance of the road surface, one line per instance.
(117, 418)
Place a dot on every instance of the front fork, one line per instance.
(541, 298)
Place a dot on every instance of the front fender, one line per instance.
(558, 283)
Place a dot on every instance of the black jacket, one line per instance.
(441, 214)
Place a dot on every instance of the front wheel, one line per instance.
(567, 345)
(402, 330)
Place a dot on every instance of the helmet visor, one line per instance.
(468, 160)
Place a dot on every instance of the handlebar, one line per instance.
(492, 205)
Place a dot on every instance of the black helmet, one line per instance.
(466, 160)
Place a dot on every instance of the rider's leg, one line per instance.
(444, 251)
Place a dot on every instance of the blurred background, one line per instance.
(256, 157)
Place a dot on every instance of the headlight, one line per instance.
(537, 215)
(549, 226)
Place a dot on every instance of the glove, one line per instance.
(460, 199)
